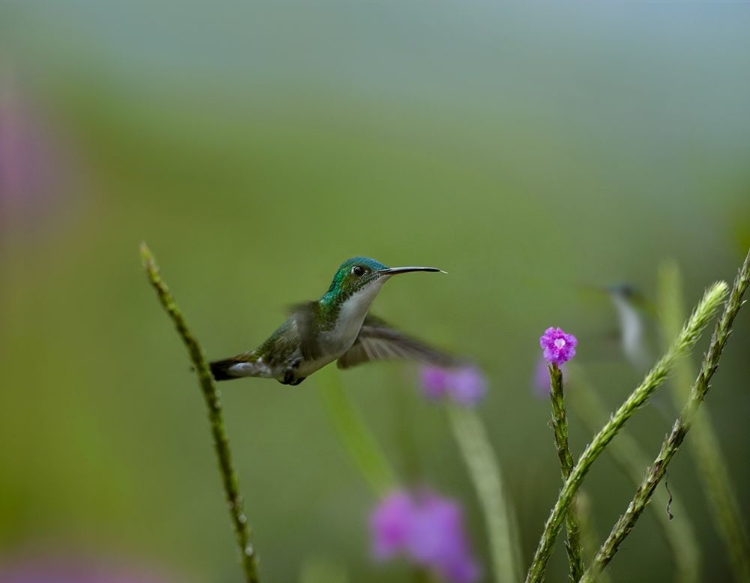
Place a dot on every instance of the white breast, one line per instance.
(633, 334)
(351, 316)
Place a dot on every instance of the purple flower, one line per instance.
(558, 346)
(433, 381)
(34, 170)
(465, 386)
(468, 385)
(540, 381)
(426, 528)
(389, 525)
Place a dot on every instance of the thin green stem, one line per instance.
(355, 436)
(682, 425)
(211, 397)
(560, 428)
(683, 343)
(704, 444)
(631, 458)
(487, 476)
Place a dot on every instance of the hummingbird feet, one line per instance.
(290, 374)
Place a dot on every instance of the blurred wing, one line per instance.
(378, 341)
(306, 318)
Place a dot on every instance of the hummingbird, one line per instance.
(635, 315)
(337, 327)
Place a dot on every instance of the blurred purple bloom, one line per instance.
(433, 381)
(389, 525)
(465, 386)
(540, 382)
(34, 163)
(558, 346)
(426, 528)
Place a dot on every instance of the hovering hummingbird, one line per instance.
(635, 316)
(335, 327)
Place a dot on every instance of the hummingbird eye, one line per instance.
(358, 270)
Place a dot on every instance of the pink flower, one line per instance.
(433, 381)
(465, 386)
(558, 346)
(389, 524)
(427, 529)
(33, 170)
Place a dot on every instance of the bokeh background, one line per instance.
(529, 151)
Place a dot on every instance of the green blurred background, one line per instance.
(529, 151)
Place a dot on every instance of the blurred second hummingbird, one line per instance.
(634, 314)
(336, 327)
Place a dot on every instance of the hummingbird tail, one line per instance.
(220, 369)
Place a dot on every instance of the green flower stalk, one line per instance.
(560, 428)
(216, 420)
(630, 457)
(682, 425)
(464, 388)
(487, 476)
(355, 436)
(558, 348)
(682, 344)
(704, 444)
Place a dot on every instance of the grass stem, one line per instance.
(631, 459)
(355, 435)
(560, 428)
(682, 425)
(704, 444)
(213, 404)
(682, 344)
(487, 477)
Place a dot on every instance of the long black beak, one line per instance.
(397, 270)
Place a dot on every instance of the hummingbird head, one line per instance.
(360, 274)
